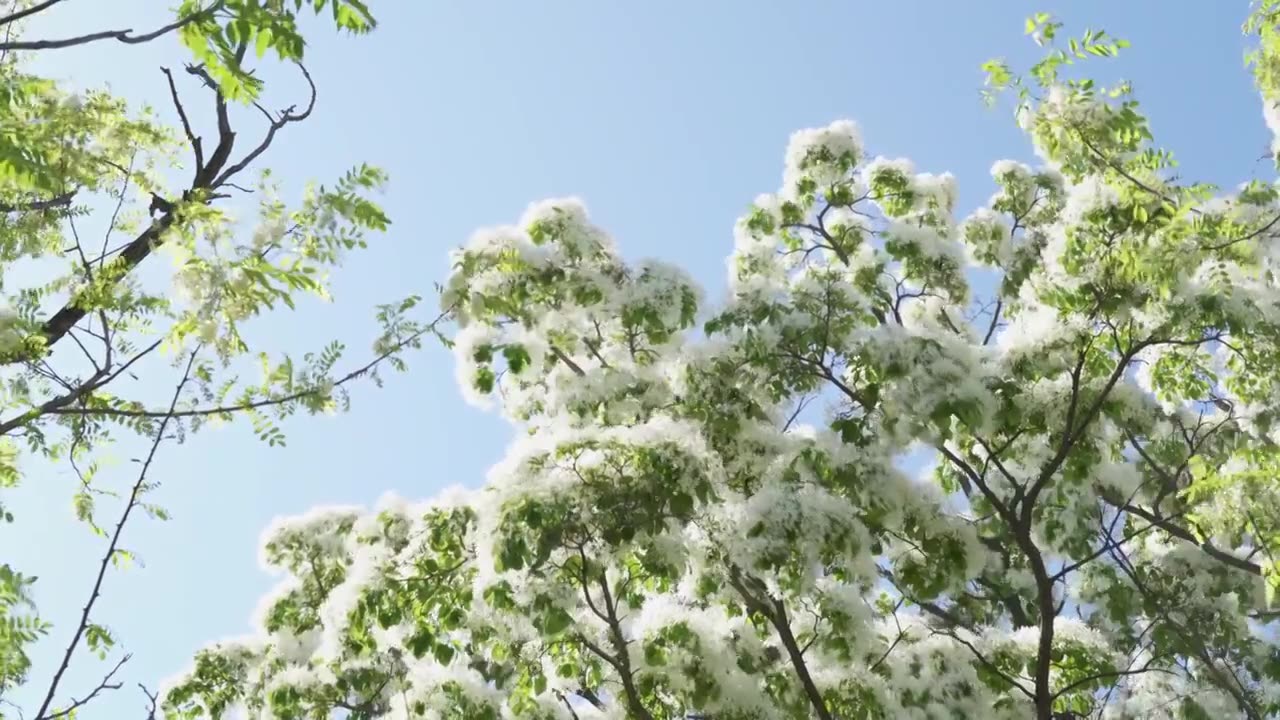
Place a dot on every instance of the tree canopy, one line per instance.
(1020, 463)
(1090, 364)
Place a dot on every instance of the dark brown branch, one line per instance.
(125, 36)
(186, 124)
(775, 612)
(800, 406)
(590, 696)
(60, 201)
(1048, 614)
(135, 493)
(1073, 429)
(952, 623)
(106, 240)
(205, 174)
(288, 116)
(106, 684)
(1146, 667)
(567, 705)
(97, 380)
(151, 701)
(1011, 602)
(995, 322)
(28, 12)
(210, 175)
(577, 370)
(1001, 508)
(57, 326)
(897, 639)
(620, 662)
(22, 419)
(1182, 533)
(982, 659)
(1108, 544)
(85, 351)
(831, 245)
(634, 703)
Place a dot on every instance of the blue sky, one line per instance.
(667, 117)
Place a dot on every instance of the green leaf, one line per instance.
(262, 41)
(443, 653)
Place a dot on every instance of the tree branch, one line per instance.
(562, 357)
(125, 36)
(1182, 533)
(995, 322)
(59, 201)
(61, 409)
(1073, 430)
(186, 124)
(977, 654)
(775, 612)
(288, 116)
(58, 325)
(634, 702)
(97, 380)
(138, 488)
(1105, 676)
(151, 701)
(106, 684)
(38, 7)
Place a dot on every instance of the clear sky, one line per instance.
(667, 117)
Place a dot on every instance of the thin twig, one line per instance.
(186, 124)
(106, 684)
(288, 116)
(138, 487)
(151, 701)
(94, 382)
(266, 402)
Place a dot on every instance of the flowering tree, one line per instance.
(1091, 363)
(91, 192)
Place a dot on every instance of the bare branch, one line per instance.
(28, 12)
(186, 124)
(995, 322)
(226, 137)
(125, 36)
(110, 553)
(288, 116)
(151, 701)
(1075, 426)
(106, 684)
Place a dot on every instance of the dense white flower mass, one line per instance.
(669, 539)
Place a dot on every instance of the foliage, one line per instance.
(668, 539)
(91, 348)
